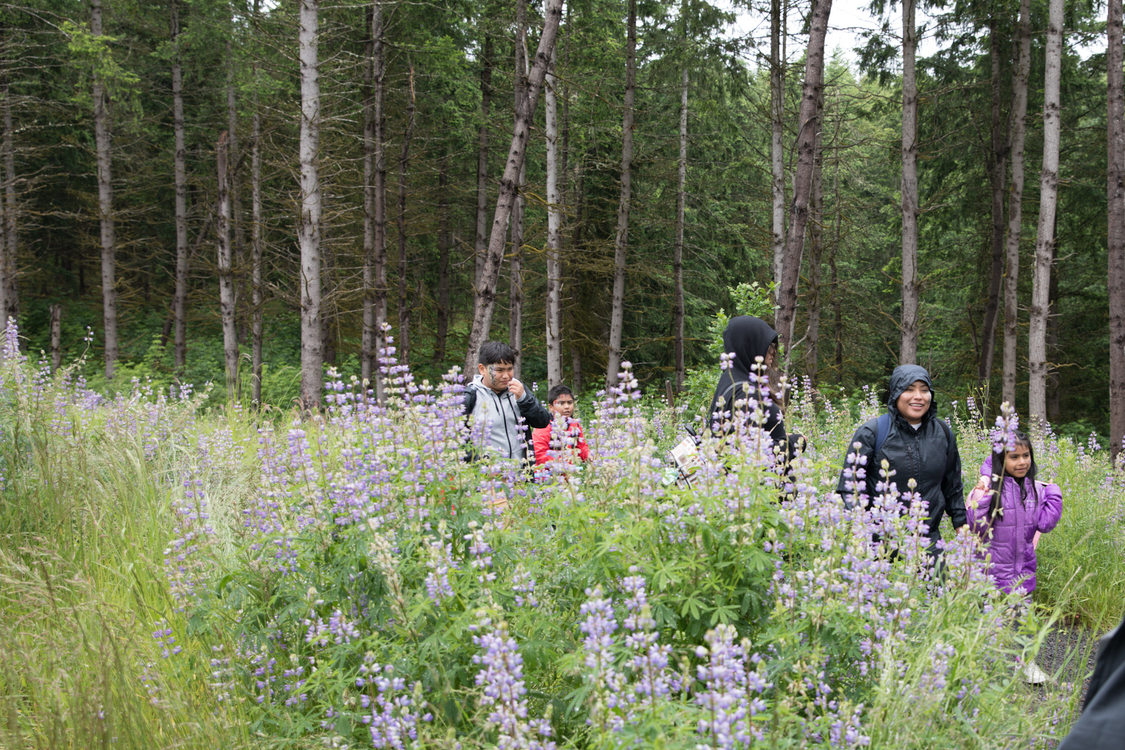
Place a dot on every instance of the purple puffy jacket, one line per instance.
(1010, 540)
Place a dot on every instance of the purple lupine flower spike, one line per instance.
(1003, 435)
(503, 690)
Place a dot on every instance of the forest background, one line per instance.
(169, 175)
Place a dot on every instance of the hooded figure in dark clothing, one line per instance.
(747, 338)
(1102, 723)
(917, 446)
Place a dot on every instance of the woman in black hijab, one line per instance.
(748, 338)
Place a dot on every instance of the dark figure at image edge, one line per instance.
(1102, 722)
(748, 338)
(926, 452)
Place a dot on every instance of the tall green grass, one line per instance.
(1082, 562)
(84, 520)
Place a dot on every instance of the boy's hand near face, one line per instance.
(515, 387)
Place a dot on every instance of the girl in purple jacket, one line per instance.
(1009, 510)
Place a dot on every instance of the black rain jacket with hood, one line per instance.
(748, 338)
(927, 454)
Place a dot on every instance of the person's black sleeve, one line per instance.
(775, 425)
(952, 487)
(865, 436)
(532, 411)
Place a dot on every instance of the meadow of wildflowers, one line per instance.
(175, 578)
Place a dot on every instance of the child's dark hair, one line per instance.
(999, 458)
(496, 352)
(558, 390)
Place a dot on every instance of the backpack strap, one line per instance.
(469, 404)
(882, 428)
(948, 443)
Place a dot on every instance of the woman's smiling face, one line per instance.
(915, 402)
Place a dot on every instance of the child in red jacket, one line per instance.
(558, 442)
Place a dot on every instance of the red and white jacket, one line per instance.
(560, 440)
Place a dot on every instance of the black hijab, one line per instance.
(747, 338)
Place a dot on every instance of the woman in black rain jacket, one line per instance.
(917, 446)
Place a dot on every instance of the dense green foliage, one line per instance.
(249, 49)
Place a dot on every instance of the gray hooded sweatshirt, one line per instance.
(501, 414)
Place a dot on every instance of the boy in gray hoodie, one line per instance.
(499, 400)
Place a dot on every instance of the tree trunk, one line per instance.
(9, 224)
(237, 238)
(367, 366)
(404, 275)
(908, 351)
(576, 369)
(621, 240)
(515, 228)
(308, 227)
(227, 299)
(445, 245)
(104, 147)
(834, 271)
(1015, 202)
(3, 247)
(681, 205)
(1045, 236)
(379, 268)
(485, 298)
(515, 280)
(777, 152)
(553, 338)
(1115, 58)
(56, 337)
(564, 138)
(3, 258)
(374, 204)
(997, 180)
(1054, 402)
(816, 249)
(179, 177)
(256, 253)
(480, 243)
(808, 124)
(256, 226)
